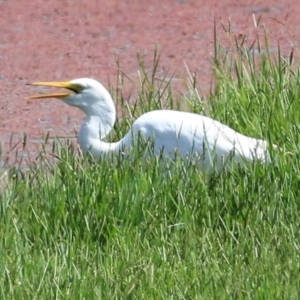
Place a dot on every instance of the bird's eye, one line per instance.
(77, 88)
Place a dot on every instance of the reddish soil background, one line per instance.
(66, 39)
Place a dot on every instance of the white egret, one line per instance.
(172, 131)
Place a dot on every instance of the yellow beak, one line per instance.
(67, 85)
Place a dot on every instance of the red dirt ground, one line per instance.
(66, 39)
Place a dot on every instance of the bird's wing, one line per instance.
(187, 132)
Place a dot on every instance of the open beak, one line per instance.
(67, 85)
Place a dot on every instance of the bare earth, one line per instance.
(66, 39)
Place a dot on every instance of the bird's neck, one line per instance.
(94, 129)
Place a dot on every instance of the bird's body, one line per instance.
(171, 132)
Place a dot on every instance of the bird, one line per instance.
(172, 132)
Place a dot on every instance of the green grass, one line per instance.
(81, 229)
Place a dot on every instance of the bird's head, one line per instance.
(85, 93)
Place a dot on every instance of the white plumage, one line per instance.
(208, 140)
